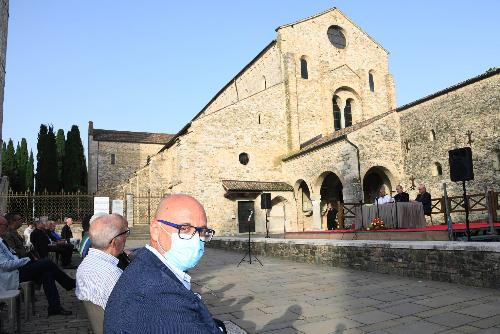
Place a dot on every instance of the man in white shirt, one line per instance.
(27, 233)
(383, 198)
(98, 273)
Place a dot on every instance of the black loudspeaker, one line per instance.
(460, 161)
(265, 201)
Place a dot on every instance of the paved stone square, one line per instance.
(288, 297)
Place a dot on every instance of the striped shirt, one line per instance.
(96, 277)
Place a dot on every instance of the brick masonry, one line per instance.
(474, 264)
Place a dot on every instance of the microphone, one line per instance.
(250, 215)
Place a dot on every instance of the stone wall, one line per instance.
(475, 108)
(331, 71)
(4, 22)
(474, 264)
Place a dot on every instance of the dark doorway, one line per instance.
(374, 179)
(331, 189)
(246, 211)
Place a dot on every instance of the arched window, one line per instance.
(432, 135)
(496, 160)
(259, 118)
(437, 169)
(336, 114)
(304, 74)
(348, 113)
(264, 83)
(371, 83)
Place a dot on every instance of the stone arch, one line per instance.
(437, 169)
(374, 179)
(279, 221)
(303, 204)
(341, 96)
(371, 80)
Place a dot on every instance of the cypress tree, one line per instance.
(30, 173)
(22, 160)
(41, 165)
(10, 165)
(74, 166)
(51, 152)
(4, 156)
(60, 156)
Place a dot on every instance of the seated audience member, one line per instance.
(27, 233)
(85, 244)
(12, 237)
(43, 244)
(401, 196)
(97, 274)
(67, 234)
(425, 198)
(154, 294)
(14, 270)
(382, 197)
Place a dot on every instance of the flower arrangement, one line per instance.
(376, 224)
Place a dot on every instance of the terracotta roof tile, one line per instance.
(130, 137)
(255, 186)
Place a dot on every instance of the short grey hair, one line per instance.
(104, 228)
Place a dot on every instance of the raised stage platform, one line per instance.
(429, 233)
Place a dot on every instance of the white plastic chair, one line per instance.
(12, 299)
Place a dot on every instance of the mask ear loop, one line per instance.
(158, 243)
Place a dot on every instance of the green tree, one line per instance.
(30, 173)
(46, 171)
(4, 156)
(22, 159)
(74, 166)
(60, 156)
(9, 167)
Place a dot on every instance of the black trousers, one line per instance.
(64, 250)
(48, 273)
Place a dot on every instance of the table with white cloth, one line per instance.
(409, 215)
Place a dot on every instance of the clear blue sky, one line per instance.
(152, 65)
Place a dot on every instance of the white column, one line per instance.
(341, 104)
(316, 225)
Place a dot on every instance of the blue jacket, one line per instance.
(148, 298)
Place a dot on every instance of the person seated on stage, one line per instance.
(27, 233)
(401, 196)
(156, 282)
(97, 274)
(43, 244)
(331, 216)
(382, 197)
(14, 270)
(425, 198)
(67, 234)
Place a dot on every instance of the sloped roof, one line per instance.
(130, 137)
(334, 137)
(255, 186)
(450, 89)
(327, 11)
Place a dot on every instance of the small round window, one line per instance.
(243, 158)
(336, 37)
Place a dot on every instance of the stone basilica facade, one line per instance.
(312, 118)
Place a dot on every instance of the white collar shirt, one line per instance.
(384, 200)
(96, 277)
(182, 276)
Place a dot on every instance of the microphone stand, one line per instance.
(249, 252)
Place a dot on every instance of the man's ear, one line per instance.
(153, 230)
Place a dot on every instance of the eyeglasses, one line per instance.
(127, 232)
(187, 231)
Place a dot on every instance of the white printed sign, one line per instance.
(117, 206)
(101, 204)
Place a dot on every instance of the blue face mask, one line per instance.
(184, 254)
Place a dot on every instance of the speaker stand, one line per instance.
(267, 223)
(466, 206)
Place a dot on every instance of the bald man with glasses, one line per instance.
(154, 294)
(98, 273)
